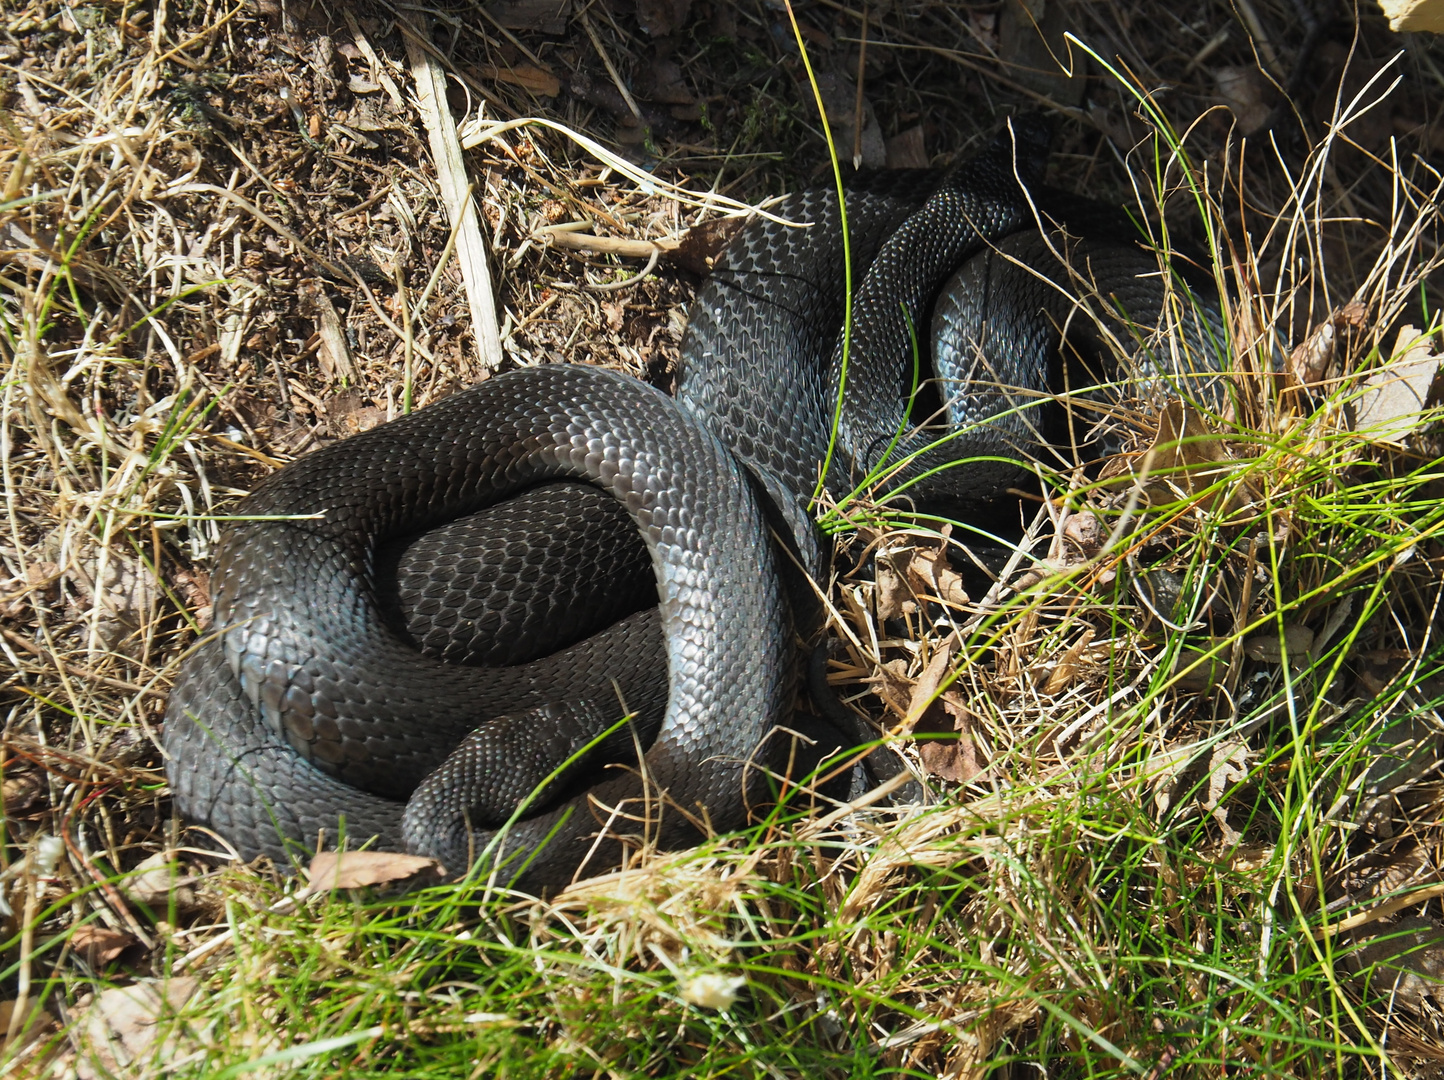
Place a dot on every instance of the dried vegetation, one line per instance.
(1184, 729)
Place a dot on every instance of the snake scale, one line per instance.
(376, 671)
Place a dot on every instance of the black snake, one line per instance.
(362, 636)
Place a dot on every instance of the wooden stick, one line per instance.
(430, 82)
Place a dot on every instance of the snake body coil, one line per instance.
(312, 710)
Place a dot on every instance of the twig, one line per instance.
(1382, 911)
(614, 286)
(455, 193)
(612, 70)
(362, 43)
(78, 671)
(573, 239)
(857, 104)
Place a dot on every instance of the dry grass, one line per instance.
(221, 243)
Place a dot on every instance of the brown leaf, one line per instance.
(154, 883)
(98, 945)
(37, 1022)
(926, 688)
(21, 790)
(839, 97)
(1248, 94)
(906, 150)
(1404, 960)
(1310, 359)
(1414, 15)
(1195, 674)
(359, 869)
(1063, 675)
(1227, 766)
(661, 81)
(1379, 667)
(1186, 457)
(662, 17)
(348, 414)
(527, 76)
(891, 683)
(121, 1024)
(1352, 315)
(1084, 532)
(701, 244)
(955, 760)
(548, 16)
(1396, 395)
(892, 593)
(930, 713)
(1298, 640)
(930, 574)
(193, 585)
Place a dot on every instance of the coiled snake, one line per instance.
(349, 587)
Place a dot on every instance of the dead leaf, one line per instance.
(333, 351)
(1310, 359)
(1248, 94)
(953, 757)
(37, 1022)
(122, 604)
(120, 1025)
(548, 16)
(1227, 766)
(891, 683)
(931, 575)
(347, 414)
(21, 790)
(1163, 771)
(925, 689)
(906, 150)
(891, 592)
(527, 76)
(1399, 756)
(662, 82)
(658, 18)
(1083, 530)
(1414, 15)
(359, 869)
(1195, 674)
(98, 945)
(954, 760)
(702, 244)
(839, 99)
(1064, 674)
(1297, 642)
(154, 883)
(1395, 396)
(1404, 960)
(1187, 458)
(1377, 668)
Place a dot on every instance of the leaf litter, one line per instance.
(170, 341)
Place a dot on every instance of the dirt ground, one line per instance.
(223, 244)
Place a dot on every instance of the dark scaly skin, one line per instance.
(761, 362)
(760, 322)
(753, 364)
(760, 369)
(978, 204)
(518, 580)
(303, 639)
(999, 322)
